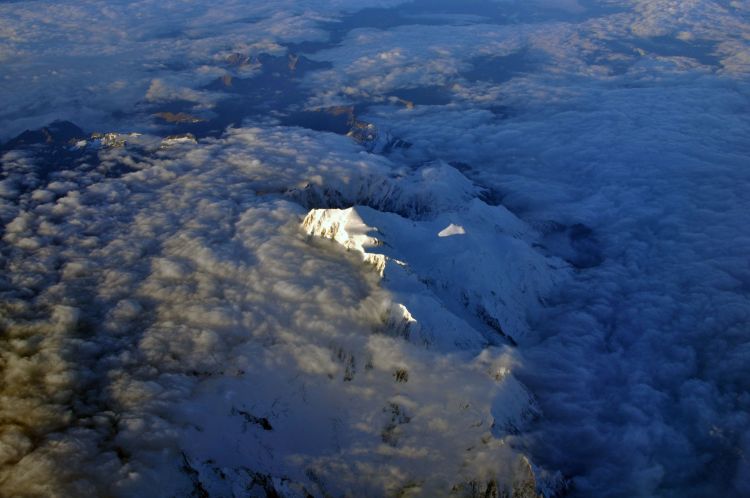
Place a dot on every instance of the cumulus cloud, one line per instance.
(94, 61)
(175, 325)
(166, 319)
(628, 364)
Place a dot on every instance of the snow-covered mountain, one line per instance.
(378, 248)
(253, 358)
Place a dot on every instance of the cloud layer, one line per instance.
(174, 325)
(569, 179)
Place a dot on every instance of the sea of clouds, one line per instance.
(168, 326)
(173, 330)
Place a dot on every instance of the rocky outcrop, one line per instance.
(56, 133)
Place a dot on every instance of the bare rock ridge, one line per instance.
(56, 133)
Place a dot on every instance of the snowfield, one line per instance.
(487, 248)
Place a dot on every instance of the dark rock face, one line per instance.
(56, 133)
(56, 152)
(49, 150)
(178, 117)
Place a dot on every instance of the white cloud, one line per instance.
(164, 319)
(187, 304)
(69, 61)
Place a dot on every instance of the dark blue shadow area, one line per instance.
(701, 50)
(333, 119)
(449, 12)
(499, 69)
(276, 92)
(275, 88)
(424, 95)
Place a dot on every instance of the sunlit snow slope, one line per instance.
(481, 248)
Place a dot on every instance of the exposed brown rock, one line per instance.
(179, 117)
